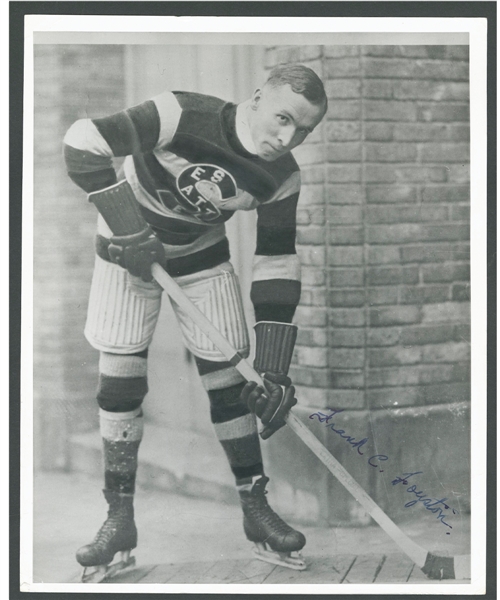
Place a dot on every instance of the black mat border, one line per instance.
(17, 12)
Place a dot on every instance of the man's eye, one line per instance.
(282, 119)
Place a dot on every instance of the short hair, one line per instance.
(301, 79)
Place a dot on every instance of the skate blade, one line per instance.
(105, 572)
(283, 559)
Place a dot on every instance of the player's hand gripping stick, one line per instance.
(133, 245)
(274, 406)
(274, 344)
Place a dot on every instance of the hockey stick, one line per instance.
(433, 565)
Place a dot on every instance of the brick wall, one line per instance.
(70, 82)
(383, 237)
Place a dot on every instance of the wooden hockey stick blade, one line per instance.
(433, 565)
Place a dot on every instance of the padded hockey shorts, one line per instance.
(123, 310)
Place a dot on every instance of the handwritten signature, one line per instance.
(428, 502)
(434, 505)
(322, 418)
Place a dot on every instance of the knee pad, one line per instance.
(223, 384)
(217, 375)
(123, 381)
(226, 404)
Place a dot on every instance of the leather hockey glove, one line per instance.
(273, 353)
(272, 404)
(137, 252)
(133, 245)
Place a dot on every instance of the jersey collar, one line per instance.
(243, 129)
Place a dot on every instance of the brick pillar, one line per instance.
(70, 82)
(416, 156)
(383, 236)
(50, 424)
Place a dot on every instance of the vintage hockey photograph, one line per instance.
(251, 308)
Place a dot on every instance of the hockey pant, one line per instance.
(122, 316)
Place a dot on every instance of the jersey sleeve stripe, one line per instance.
(279, 214)
(276, 267)
(88, 157)
(146, 120)
(276, 291)
(169, 113)
(122, 129)
(117, 131)
(84, 135)
(83, 161)
(94, 181)
(289, 188)
(276, 287)
(272, 241)
(282, 313)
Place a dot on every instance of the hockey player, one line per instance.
(191, 161)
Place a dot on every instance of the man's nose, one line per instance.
(285, 136)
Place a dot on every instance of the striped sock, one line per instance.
(121, 433)
(235, 426)
(123, 381)
(122, 387)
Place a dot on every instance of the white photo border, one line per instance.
(40, 28)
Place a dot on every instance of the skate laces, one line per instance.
(108, 529)
(256, 505)
(111, 526)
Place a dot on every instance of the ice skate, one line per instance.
(118, 534)
(275, 541)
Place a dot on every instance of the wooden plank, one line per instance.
(223, 571)
(340, 565)
(161, 573)
(76, 577)
(417, 576)
(250, 571)
(237, 571)
(325, 569)
(319, 570)
(132, 575)
(191, 572)
(364, 569)
(284, 575)
(397, 568)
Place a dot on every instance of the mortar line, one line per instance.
(371, 476)
(326, 205)
(363, 219)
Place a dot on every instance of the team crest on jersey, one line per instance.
(203, 190)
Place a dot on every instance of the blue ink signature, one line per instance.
(428, 502)
(322, 418)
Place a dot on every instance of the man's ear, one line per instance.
(256, 96)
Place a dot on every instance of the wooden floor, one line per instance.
(344, 569)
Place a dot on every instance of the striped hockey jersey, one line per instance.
(190, 173)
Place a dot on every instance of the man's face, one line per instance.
(280, 120)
